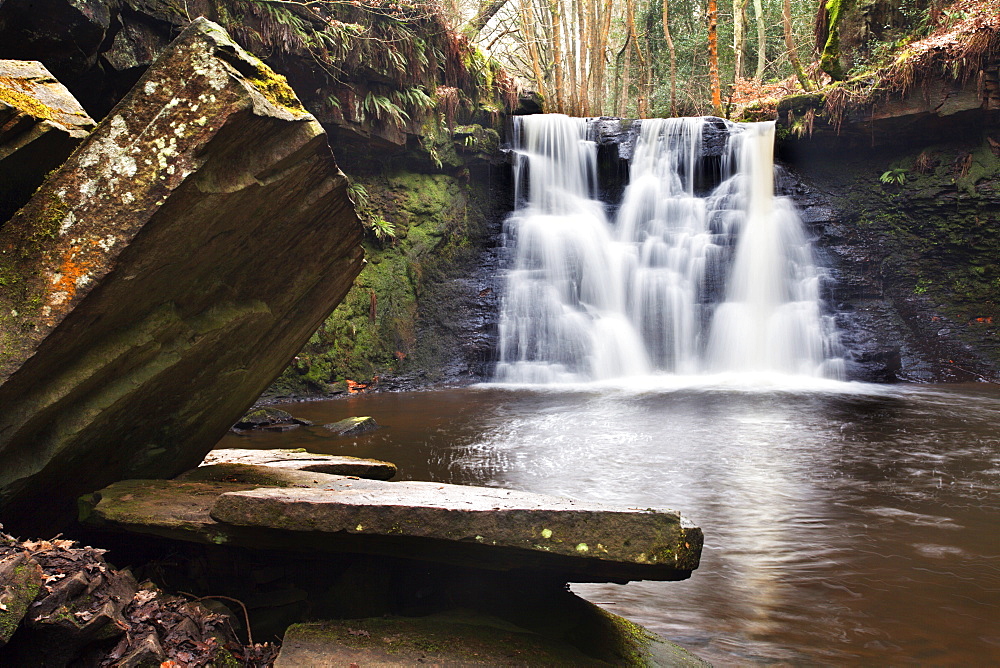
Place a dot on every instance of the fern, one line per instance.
(384, 109)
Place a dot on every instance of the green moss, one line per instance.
(23, 101)
(25, 587)
(374, 331)
(276, 89)
(830, 58)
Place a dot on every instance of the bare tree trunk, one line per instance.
(673, 57)
(713, 57)
(528, 31)
(739, 35)
(556, 11)
(643, 74)
(758, 8)
(600, 53)
(793, 55)
(486, 11)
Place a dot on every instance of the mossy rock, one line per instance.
(20, 581)
(353, 426)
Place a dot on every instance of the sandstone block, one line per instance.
(163, 276)
(521, 529)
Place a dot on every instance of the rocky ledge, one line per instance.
(403, 572)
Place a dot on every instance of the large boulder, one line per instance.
(163, 276)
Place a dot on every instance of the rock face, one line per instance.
(159, 280)
(40, 125)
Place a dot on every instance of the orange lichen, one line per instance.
(72, 268)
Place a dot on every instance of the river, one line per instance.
(844, 522)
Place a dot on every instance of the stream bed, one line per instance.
(844, 522)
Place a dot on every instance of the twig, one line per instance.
(246, 615)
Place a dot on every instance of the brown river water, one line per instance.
(845, 524)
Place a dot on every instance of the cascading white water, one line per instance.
(678, 284)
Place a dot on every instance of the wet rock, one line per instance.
(300, 460)
(20, 579)
(529, 102)
(353, 426)
(139, 317)
(40, 125)
(269, 419)
(261, 476)
(580, 634)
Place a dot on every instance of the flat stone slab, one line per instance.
(436, 640)
(477, 527)
(466, 638)
(180, 509)
(301, 460)
(260, 476)
(660, 544)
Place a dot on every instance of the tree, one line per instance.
(713, 56)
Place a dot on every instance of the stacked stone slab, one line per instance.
(40, 125)
(162, 277)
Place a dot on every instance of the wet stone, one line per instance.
(476, 527)
(269, 419)
(438, 640)
(353, 426)
(301, 460)
(261, 476)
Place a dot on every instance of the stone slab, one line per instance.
(590, 636)
(660, 544)
(40, 125)
(300, 460)
(473, 527)
(260, 476)
(162, 277)
(437, 640)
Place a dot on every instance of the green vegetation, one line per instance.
(374, 331)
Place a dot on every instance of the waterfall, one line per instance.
(680, 282)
